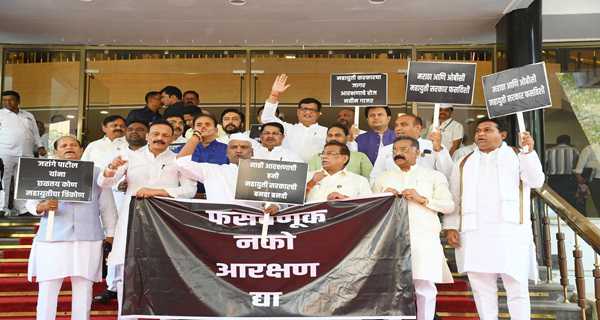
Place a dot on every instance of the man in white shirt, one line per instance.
(178, 124)
(427, 193)
(452, 130)
(102, 151)
(271, 137)
(433, 155)
(19, 137)
(491, 226)
(232, 121)
(306, 136)
(333, 181)
(151, 172)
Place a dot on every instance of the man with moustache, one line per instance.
(433, 155)
(333, 181)
(19, 137)
(178, 124)
(359, 162)
(306, 136)
(151, 172)
(75, 250)
(232, 121)
(427, 193)
(379, 134)
(102, 151)
(272, 135)
(491, 226)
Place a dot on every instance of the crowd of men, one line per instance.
(480, 190)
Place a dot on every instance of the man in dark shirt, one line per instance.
(171, 96)
(148, 113)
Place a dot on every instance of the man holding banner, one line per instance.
(75, 249)
(427, 193)
(333, 181)
(149, 172)
(491, 227)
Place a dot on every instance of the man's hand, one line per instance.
(271, 209)
(336, 196)
(354, 132)
(279, 87)
(318, 176)
(47, 205)
(42, 151)
(394, 191)
(527, 141)
(453, 238)
(109, 240)
(436, 138)
(113, 166)
(413, 195)
(149, 193)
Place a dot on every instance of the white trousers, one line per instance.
(111, 274)
(10, 170)
(81, 302)
(485, 293)
(426, 294)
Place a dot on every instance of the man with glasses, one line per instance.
(333, 181)
(359, 162)
(271, 138)
(306, 136)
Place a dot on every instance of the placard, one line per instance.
(441, 82)
(358, 89)
(65, 180)
(517, 90)
(271, 181)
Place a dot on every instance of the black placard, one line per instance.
(358, 89)
(271, 181)
(517, 90)
(441, 82)
(64, 180)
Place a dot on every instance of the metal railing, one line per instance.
(583, 229)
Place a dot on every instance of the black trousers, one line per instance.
(566, 186)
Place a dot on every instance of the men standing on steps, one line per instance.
(75, 250)
(307, 137)
(272, 135)
(491, 226)
(19, 137)
(333, 181)
(427, 193)
(151, 172)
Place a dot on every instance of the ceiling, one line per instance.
(258, 23)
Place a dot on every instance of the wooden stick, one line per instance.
(522, 128)
(50, 225)
(436, 117)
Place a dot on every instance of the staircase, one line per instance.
(18, 297)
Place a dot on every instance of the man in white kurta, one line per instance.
(104, 150)
(491, 228)
(333, 181)
(307, 137)
(433, 154)
(75, 250)
(151, 171)
(427, 193)
(272, 135)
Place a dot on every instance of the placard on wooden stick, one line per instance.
(359, 90)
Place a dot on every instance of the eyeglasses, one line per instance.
(329, 154)
(307, 110)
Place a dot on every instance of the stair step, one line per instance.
(21, 284)
(95, 315)
(13, 267)
(28, 303)
(19, 253)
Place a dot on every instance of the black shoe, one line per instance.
(105, 297)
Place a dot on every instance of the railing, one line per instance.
(582, 228)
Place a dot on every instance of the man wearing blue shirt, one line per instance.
(379, 134)
(148, 113)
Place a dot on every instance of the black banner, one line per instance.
(271, 181)
(339, 258)
(66, 180)
(441, 82)
(358, 89)
(517, 90)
